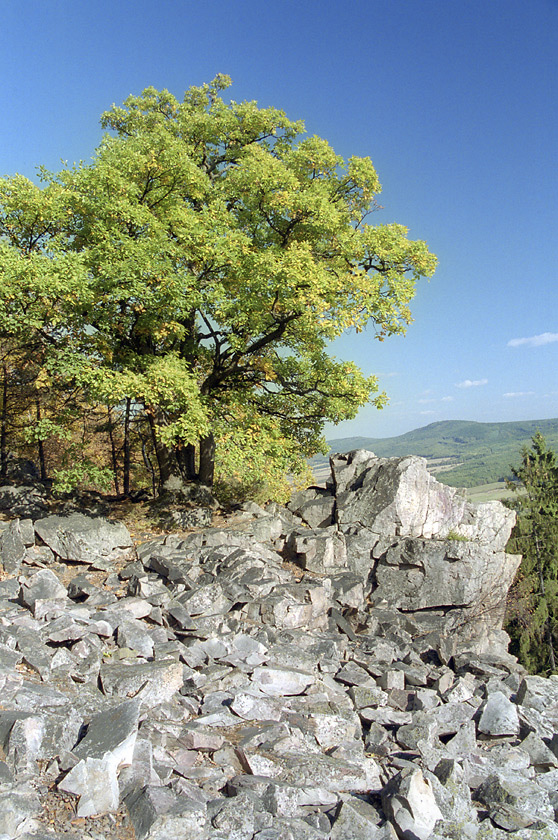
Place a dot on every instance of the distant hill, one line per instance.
(460, 453)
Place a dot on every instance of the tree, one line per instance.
(219, 251)
(41, 294)
(533, 621)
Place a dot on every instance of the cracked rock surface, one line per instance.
(280, 679)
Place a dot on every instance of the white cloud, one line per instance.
(425, 413)
(534, 340)
(471, 383)
(430, 400)
(514, 394)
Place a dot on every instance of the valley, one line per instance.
(460, 453)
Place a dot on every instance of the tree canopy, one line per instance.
(199, 266)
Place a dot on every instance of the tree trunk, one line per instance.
(186, 457)
(147, 461)
(40, 444)
(4, 425)
(113, 453)
(162, 453)
(207, 460)
(126, 467)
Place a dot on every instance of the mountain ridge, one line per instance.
(462, 453)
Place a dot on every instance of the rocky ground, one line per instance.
(335, 670)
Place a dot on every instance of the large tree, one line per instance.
(533, 618)
(219, 250)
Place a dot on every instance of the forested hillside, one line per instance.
(461, 453)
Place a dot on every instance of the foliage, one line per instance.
(533, 616)
(84, 473)
(197, 269)
(454, 536)
(258, 463)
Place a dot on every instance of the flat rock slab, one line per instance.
(317, 771)
(159, 814)
(281, 682)
(82, 539)
(111, 735)
(150, 682)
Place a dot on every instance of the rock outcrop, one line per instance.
(332, 671)
(418, 545)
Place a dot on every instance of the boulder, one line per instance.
(83, 539)
(410, 804)
(399, 497)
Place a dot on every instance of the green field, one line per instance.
(460, 453)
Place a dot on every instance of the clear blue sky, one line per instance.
(456, 103)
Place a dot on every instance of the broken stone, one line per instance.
(499, 716)
(319, 550)
(111, 735)
(312, 682)
(409, 801)
(94, 780)
(81, 538)
(12, 547)
(150, 682)
(158, 813)
(281, 682)
(43, 594)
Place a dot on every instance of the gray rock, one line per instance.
(43, 593)
(281, 682)
(409, 801)
(541, 757)
(499, 716)
(317, 512)
(318, 550)
(12, 547)
(226, 696)
(538, 693)
(111, 735)
(234, 817)
(23, 744)
(83, 539)
(24, 500)
(356, 819)
(17, 812)
(151, 682)
(133, 634)
(518, 796)
(398, 496)
(94, 780)
(327, 772)
(443, 573)
(159, 814)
